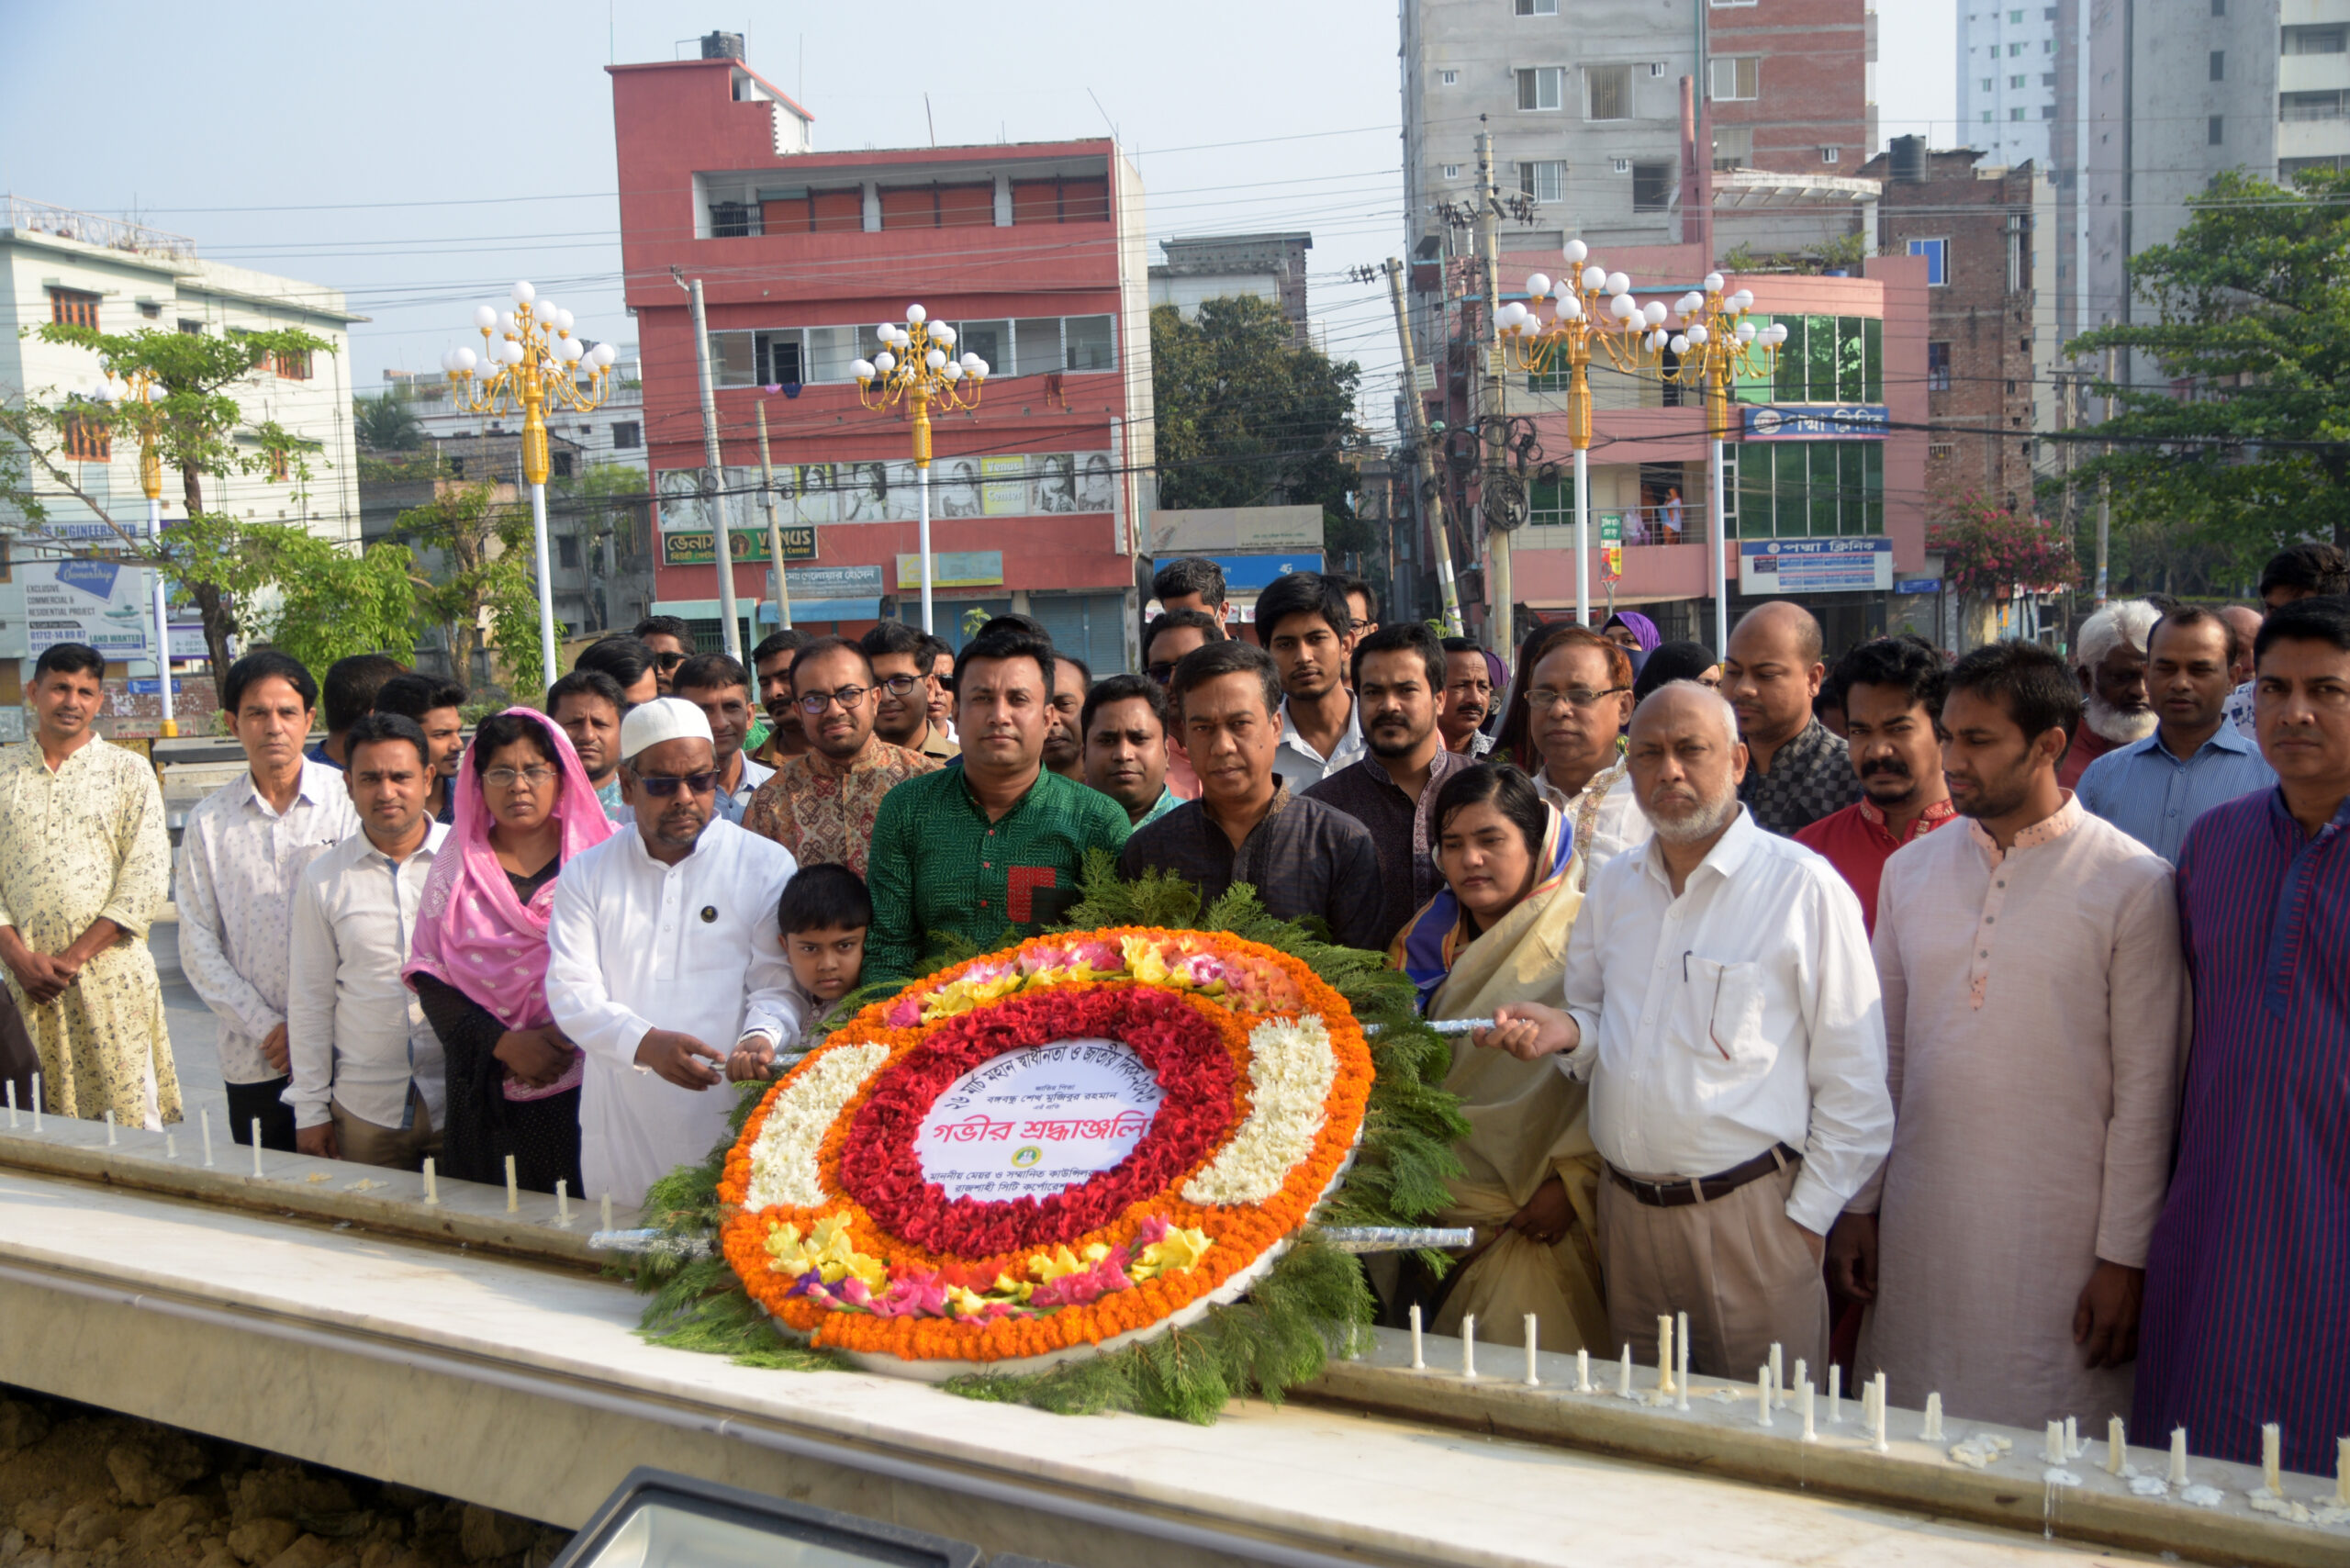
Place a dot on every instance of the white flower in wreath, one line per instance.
(783, 1160)
(1290, 1068)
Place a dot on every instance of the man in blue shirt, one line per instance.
(2154, 789)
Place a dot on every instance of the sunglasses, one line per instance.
(668, 662)
(660, 786)
(1162, 674)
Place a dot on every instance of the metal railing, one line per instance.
(28, 217)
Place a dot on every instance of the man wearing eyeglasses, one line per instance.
(1578, 700)
(821, 804)
(670, 642)
(903, 690)
(663, 958)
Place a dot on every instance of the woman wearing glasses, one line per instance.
(478, 962)
(1563, 723)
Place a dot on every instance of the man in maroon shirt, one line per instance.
(1893, 699)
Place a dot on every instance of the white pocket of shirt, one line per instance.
(1720, 1014)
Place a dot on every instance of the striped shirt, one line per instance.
(2248, 1278)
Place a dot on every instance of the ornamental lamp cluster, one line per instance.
(537, 330)
(1596, 296)
(920, 351)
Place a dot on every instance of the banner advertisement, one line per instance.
(690, 546)
(1013, 485)
(102, 603)
(1818, 422)
(1859, 564)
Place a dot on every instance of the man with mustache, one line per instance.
(2154, 790)
(1800, 769)
(1397, 671)
(771, 662)
(1893, 701)
(820, 805)
(2035, 1023)
(1124, 722)
(1721, 1003)
(663, 958)
(1468, 697)
(2302, 571)
(2109, 659)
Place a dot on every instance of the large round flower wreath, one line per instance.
(1254, 1076)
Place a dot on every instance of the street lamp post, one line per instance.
(917, 365)
(529, 358)
(143, 391)
(1716, 343)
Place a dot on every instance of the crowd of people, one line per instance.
(1978, 1021)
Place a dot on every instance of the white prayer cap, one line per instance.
(663, 719)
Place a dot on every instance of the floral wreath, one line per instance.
(836, 1230)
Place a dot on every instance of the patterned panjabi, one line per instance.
(822, 811)
(85, 843)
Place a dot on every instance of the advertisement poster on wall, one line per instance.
(102, 603)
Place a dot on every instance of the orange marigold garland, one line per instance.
(1260, 1077)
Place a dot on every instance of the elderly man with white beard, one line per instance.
(2110, 658)
(1721, 1000)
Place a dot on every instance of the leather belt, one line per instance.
(1706, 1189)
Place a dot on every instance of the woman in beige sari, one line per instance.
(1529, 1180)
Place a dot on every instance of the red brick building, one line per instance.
(1036, 252)
(1787, 86)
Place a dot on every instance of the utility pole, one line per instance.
(1439, 540)
(1492, 415)
(713, 504)
(775, 529)
(2104, 495)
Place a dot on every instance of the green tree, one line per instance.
(1249, 417)
(487, 580)
(198, 429)
(2247, 448)
(383, 423)
(329, 603)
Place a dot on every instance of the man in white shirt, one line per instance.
(367, 1070)
(720, 688)
(1304, 621)
(1578, 698)
(1722, 1001)
(664, 957)
(241, 858)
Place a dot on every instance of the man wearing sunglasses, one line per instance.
(670, 642)
(903, 690)
(821, 804)
(663, 957)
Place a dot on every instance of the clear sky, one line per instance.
(422, 155)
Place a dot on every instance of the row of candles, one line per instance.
(2061, 1444)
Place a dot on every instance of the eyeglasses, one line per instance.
(667, 662)
(660, 786)
(1541, 698)
(816, 703)
(1162, 674)
(895, 685)
(507, 778)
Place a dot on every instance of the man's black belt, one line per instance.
(1706, 1189)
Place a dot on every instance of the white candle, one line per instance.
(1876, 1390)
(1931, 1432)
(1623, 1374)
(1778, 1381)
(563, 1216)
(1810, 1426)
(1532, 1334)
(205, 1117)
(1469, 1346)
(1664, 1354)
(12, 1105)
(2342, 1471)
(36, 1101)
(2115, 1445)
(2052, 1445)
(1418, 1363)
(109, 1129)
(170, 1145)
(1582, 1372)
(1681, 1349)
(1835, 1394)
(513, 1192)
(256, 1146)
(1415, 1311)
(431, 1183)
(1762, 1395)
(1802, 1372)
(2272, 1453)
(2178, 1456)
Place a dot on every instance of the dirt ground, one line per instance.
(86, 1488)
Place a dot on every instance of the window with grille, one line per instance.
(74, 308)
(2327, 105)
(567, 550)
(281, 465)
(1733, 78)
(86, 439)
(291, 364)
(1611, 91)
(1936, 368)
(1541, 88)
(627, 435)
(2334, 39)
(1652, 187)
(1544, 179)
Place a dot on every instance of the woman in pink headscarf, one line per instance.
(478, 962)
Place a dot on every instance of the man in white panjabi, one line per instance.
(2035, 1021)
(664, 955)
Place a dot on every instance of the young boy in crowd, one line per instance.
(824, 914)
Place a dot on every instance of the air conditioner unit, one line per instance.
(1620, 165)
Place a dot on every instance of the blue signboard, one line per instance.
(1860, 564)
(1818, 422)
(1919, 585)
(1249, 574)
